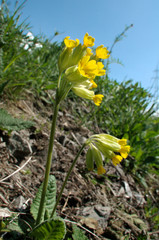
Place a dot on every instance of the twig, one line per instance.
(152, 196)
(151, 233)
(76, 139)
(65, 202)
(3, 199)
(114, 193)
(20, 168)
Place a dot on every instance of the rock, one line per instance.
(5, 212)
(19, 147)
(139, 198)
(19, 203)
(127, 189)
(97, 212)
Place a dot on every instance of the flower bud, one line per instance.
(89, 160)
(94, 155)
(71, 54)
(73, 75)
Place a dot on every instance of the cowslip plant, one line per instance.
(78, 68)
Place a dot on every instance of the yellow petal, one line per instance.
(94, 85)
(124, 151)
(101, 71)
(88, 41)
(71, 43)
(116, 159)
(101, 170)
(122, 141)
(88, 68)
(89, 52)
(102, 52)
(98, 99)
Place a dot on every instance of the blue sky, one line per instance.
(104, 20)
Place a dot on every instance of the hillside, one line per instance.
(111, 206)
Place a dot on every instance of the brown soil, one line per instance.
(107, 207)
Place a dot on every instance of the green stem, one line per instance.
(66, 179)
(48, 163)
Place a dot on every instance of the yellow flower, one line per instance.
(101, 170)
(88, 41)
(102, 52)
(101, 71)
(88, 68)
(89, 52)
(71, 43)
(93, 84)
(124, 151)
(116, 159)
(122, 142)
(98, 99)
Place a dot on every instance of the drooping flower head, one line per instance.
(79, 65)
(109, 147)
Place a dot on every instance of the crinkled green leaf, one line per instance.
(53, 229)
(50, 199)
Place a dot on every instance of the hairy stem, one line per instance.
(48, 163)
(50, 154)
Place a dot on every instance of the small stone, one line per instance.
(19, 203)
(19, 147)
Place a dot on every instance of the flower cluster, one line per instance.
(80, 66)
(107, 146)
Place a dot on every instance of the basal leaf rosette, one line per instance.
(105, 146)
